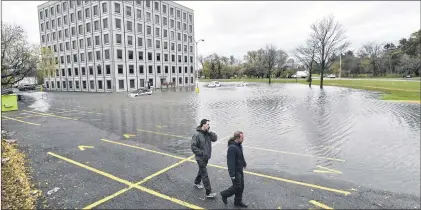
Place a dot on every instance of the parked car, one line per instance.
(24, 87)
(140, 92)
(331, 76)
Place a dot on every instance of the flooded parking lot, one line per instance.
(343, 135)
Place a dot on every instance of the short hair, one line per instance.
(202, 122)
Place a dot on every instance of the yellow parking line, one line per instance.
(9, 118)
(321, 205)
(51, 115)
(257, 148)
(144, 149)
(246, 172)
(147, 178)
(144, 189)
(138, 183)
(159, 133)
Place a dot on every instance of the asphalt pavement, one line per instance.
(93, 167)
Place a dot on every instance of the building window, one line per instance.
(149, 43)
(128, 11)
(119, 54)
(105, 23)
(92, 83)
(141, 70)
(131, 69)
(129, 26)
(140, 55)
(96, 10)
(121, 84)
(108, 84)
(139, 14)
(118, 39)
(91, 71)
(107, 54)
(139, 28)
(131, 81)
(117, 8)
(106, 39)
(99, 84)
(108, 69)
(98, 55)
(118, 23)
(139, 41)
(99, 70)
(130, 55)
(130, 40)
(120, 69)
(104, 8)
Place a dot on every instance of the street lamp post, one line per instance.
(197, 69)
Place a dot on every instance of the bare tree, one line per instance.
(373, 51)
(271, 56)
(305, 54)
(330, 38)
(281, 59)
(18, 58)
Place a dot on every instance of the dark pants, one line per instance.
(202, 175)
(236, 189)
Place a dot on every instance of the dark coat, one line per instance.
(201, 144)
(235, 158)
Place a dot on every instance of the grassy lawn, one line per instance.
(393, 90)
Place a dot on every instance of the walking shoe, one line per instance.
(211, 195)
(200, 186)
(241, 204)
(224, 199)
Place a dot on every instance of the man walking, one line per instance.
(201, 146)
(236, 163)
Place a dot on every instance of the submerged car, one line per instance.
(214, 84)
(140, 92)
(242, 84)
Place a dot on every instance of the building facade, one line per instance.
(117, 46)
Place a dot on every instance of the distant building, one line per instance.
(118, 46)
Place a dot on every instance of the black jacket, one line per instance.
(235, 158)
(201, 144)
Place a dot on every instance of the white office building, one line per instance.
(103, 46)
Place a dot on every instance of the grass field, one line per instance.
(393, 90)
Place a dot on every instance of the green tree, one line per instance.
(47, 64)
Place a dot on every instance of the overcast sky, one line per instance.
(233, 28)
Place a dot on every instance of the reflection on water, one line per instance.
(372, 142)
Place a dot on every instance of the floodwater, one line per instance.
(288, 127)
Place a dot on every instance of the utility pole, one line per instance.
(197, 69)
(340, 65)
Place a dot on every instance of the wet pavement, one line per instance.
(305, 148)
